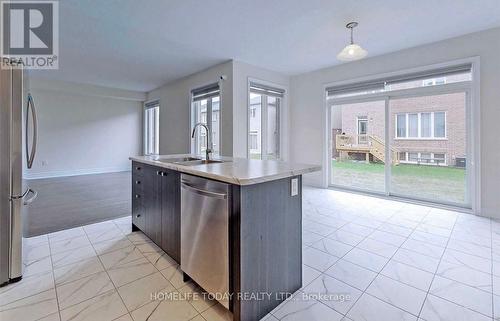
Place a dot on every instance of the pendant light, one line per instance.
(353, 51)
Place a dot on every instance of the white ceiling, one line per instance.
(141, 45)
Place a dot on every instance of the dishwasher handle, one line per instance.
(203, 192)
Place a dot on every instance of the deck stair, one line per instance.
(367, 144)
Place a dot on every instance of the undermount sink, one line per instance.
(199, 162)
(178, 159)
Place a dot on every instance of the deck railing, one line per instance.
(365, 144)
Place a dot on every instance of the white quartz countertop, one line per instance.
(239, 171)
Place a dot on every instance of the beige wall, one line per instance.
(85, 129)
(308, 105)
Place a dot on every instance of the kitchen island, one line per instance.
(234, 225)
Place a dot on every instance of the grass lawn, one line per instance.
(438, 183)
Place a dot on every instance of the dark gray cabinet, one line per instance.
(156, 206)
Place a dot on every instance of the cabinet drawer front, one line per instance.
(137, 168)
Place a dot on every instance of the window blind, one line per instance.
(205, 92)
(381, 83)
(152, 104)
(266, 90)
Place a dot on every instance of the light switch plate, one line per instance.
(295, 187)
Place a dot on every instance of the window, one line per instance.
(254, 142)
(412, 125)
(264, 121)
(429, 125)
(152, 128)
(425, 125)
(439, 125)
(423, 158)
(206, 110)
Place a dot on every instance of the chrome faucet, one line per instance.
(208, 149)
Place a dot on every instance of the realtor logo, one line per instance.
(30, 34)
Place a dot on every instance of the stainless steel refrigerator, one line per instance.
(18, 140)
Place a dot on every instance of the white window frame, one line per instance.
(151, 148)
(407, 160)
(195, 142)
(473, 115)
(419, 126)
(281, 101)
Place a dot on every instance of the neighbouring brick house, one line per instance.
(425, 129)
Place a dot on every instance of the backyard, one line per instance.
(438, 183)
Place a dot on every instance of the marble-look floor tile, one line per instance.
(351, 274)
(373, 309)
(390, 238)
(195, 295)
(466, 275)
(121, 256)
(130, 271)
(142, 291)
(346, 237)
(377, 247)
(36, 252)
(105, 307)
(34, 241)
(471, 261)
(83, 289)
(333, 293)
(423, 248)
(332, 247)
(437, 309)
(308, 274)
(174, 275)
(66, 234)
(398, 294)
(429, 238)
(300, 308)
(470, 248)
(396, 229)
(126, 317)
(420, 261)
(138, 238)
(467, 296)
(112, 245)
(309, 238)
(366, 259)
(269, 317)
(26, 287)
(217, 313)
(317, 259)
(99, 227)
(39, 266)
(357, 229)
(35, 307)
(69, 257)
(101, 236)
(407, 274)
(167, 310)
(68, 244)
(78, 270)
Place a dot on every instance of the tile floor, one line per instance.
(364, 259)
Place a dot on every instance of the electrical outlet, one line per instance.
(295, 187)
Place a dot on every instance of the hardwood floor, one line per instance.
(66, 202)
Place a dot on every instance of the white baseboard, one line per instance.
(74, 172)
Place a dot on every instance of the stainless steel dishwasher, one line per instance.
(204, 234)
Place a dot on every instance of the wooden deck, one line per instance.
(364, 144)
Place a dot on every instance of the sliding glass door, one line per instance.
(357, 131)
(428, 138)
(408, 137)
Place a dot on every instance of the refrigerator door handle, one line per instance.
(31, 155)
(32, 198)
